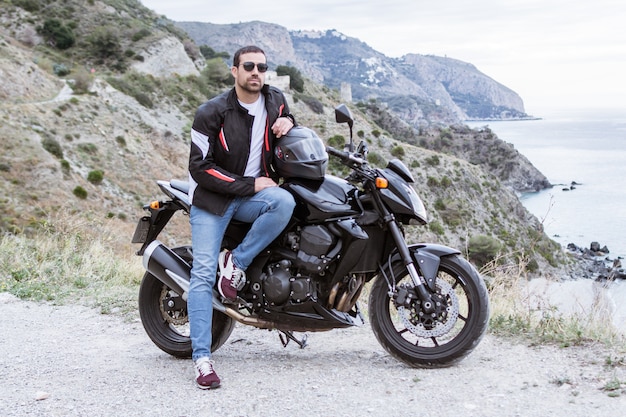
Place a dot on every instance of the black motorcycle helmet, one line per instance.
(300, 154)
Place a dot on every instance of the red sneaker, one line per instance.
(232, 279)
(206, 378)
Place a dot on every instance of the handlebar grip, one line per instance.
(338, 153)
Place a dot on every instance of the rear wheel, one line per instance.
(435, 339)
(164, 317)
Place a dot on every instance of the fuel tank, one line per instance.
(320, 201)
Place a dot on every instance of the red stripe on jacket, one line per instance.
(219, 175)
(223, 139)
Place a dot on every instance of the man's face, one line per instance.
(253, 80)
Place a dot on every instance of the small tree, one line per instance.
(57, 34)
(105, 43)
(209, 53)
(296, 81)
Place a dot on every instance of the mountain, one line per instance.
(429, 82)
(87, 130)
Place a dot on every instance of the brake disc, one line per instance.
(174, 317)
(423, 325)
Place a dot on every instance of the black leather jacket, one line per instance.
(220, 144)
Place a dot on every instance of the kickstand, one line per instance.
(286, 336)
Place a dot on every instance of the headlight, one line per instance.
(418, 207)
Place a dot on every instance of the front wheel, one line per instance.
(434, 339)
(164, 317)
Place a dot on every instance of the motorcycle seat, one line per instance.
(180, 185)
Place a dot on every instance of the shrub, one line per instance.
(191, 49)
(60, 70)
(313, 103)
(337, 141)
(398, 151)
(65, 166)
(215, 72)
(53, 146)
(95, 176)
(436, 228)
(144, 100)
(89, 148)
(57, 34)
(209, 53)
(446, 182)
(376, 159)
(483, 249)
(82, 82)
(105, 43)
(432, 182)
(28, 5)
(445, 134)
(433, 160)
(140, 34)
(80, 192)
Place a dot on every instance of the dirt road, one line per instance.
(73, 361)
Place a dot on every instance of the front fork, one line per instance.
(428, 306)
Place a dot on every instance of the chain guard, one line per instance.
(415, 323)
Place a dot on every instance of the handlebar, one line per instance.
(347, 158)
(361, 172)
(337, 153)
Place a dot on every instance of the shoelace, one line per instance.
(205, 367)
(238, 279)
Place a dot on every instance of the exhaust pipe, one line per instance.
(167, 267)
(175, 272)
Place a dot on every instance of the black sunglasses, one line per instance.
(249, 66)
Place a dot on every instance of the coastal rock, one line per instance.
(595, 264)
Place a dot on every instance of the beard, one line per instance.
(251, 85)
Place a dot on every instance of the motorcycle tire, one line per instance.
(417, 339)
(169, 329)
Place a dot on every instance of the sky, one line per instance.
(556, 54)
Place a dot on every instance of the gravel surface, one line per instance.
(73, 361)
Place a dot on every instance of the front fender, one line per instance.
(426, 257)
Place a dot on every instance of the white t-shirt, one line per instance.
(256, 109)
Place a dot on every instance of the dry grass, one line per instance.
(546, 311)
(73, 262)
(66, 262)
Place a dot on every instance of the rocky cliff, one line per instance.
(450, 90)
(55, 137)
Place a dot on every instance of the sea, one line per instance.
(583, 154)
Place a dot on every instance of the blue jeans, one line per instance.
(269, 211)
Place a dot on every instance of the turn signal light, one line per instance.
(381, 182)
(155, 205)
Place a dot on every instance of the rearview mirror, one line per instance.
(343, 115)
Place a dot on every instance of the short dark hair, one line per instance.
(246, 50)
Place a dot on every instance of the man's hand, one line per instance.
(261, 183)
(282, 126)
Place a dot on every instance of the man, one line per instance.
(231, 177)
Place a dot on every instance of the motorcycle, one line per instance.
(428, 306)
